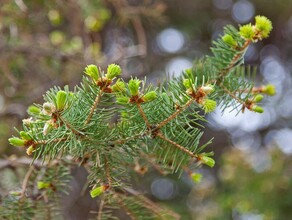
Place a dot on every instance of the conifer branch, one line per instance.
(142, 113)
(26, 180)
(234, 60)
(171, 117)
(100, 210)
(93, 107)
(107, 171)
(50, 141)
(69, 126)
(123, 206)
(232, 95)
(180, 140)
(154, 165)
(160, 135)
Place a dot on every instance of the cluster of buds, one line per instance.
(25, 140)
(129, 93)
(48, 114)
(103, 80)
(201, 95)
(249, 32)
(259, 31)
(252, 103)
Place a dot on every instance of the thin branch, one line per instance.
(160, 135)
(26, 180)
(140, 34)
(155, 166)
(122, 204)
(233, 96)
(24, 161)
(234, 60)
(161, 124)
(96, 101)
(107, 171)
(147, 203)
(101, 205)
(142, 113)
(50, 141)
(70, 126)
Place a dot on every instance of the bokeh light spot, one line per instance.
(243, 11)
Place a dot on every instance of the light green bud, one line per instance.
(149, 96)
(209, 105)
(263, 25)
(134, 85)
(196, 177)
(24, 135)
(208, 161)
(257, 109)
(269, 90)
(15, 193)
(113, 70)
(33, 110)
(247, 32)
(119, 86)
(92, 71)
(123, 100)
(61, 100)
(43, 185)
(17, 142)
(258, 98)
(228, 39)
(187, 83)
(97, 191)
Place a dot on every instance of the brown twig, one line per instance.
(23, 161)
(53, 141)
(233, 96)
(107, 171)
(161, 124)
(101, 205)
(155, 166)
(234, 60)
(122, 204)
(26, 180)
(69, 126)
(140, 34)
(160, 135)
(142, 113)
(147, 203)
(96, 101)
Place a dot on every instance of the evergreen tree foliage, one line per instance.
(106, 125)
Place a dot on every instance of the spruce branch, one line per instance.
(108, 126)
(232, 63)
(93, 107)
(178, 111)
(143, 115)
(181, 148)
(132, 215)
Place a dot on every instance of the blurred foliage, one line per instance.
(242, 192)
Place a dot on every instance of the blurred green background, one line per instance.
(46, 43)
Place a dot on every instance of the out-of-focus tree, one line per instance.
(250, 185)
